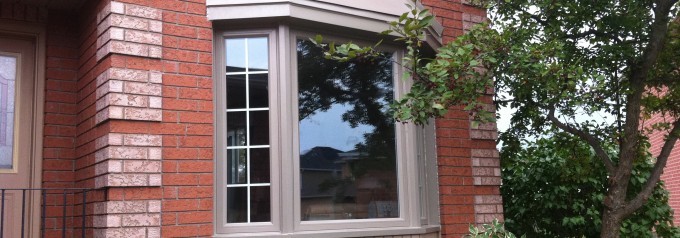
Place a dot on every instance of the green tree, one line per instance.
(555, 188)
(558, 63)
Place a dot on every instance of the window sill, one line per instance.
(394, 231)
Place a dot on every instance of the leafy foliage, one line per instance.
(493, 230)
(455, 76)
(555, 188)
(594, 69)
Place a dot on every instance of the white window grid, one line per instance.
(248, 146)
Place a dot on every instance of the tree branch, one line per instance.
(595, 33)
(592, 141)
(641, 198)
(638, 78)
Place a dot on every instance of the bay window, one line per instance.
(306, 146)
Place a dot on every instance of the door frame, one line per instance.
(36, 32)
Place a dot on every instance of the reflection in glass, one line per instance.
(236, 55)
(236, 91)
(236, 129)
(237, 166)
(259, 127)
(248, 158)
(347, 137)
(257, 54)
(8, 67)
(259, 158)
(260, 205)
(237, 204)
(259, 92)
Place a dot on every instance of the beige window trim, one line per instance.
(221, 225)
(372, 15)
(417, 168)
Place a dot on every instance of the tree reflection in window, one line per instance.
(347, 136)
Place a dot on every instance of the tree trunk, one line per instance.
(611, 225)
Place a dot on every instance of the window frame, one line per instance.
(418, 202)
(402, 143)
(220, 216)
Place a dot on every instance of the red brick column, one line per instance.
(469, 166)
(124, 98)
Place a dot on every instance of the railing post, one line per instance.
(63, 216)
(84, 212)
(43, 215)
(2, 213)
(23, 212)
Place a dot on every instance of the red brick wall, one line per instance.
(187, 125)
(469, 168)
(671, 174)
(468, 162)
(60, 106)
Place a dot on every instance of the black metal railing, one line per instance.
(73, 200)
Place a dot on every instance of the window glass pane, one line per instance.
(8, 67)
(259, 158)
(237, 166)
(260, 204)
(347, 137)
(236, 128)
(259, 92)
(236, 91)
(237, 204)
(258, 56)
(236, 55)
(259, 127)
(248, 159)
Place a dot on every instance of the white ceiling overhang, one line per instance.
(367, 15)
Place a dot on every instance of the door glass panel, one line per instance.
(8, 69)
(348, 165)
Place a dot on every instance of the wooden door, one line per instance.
(17, 114)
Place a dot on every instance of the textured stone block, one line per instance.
(142, 140)
(142, 114)
(142, 88)
(143, 12)
(121, 99)
(128, 232)
(485, 153)
(110, 86)
(122, 152)
(488, 199)
(122, 180)
(108, 166)
(128, 22)
(155, 102)
(120, 207)
(134, 220)
(154, 206)
(107, 221)
(142, 37)
(155, 153)
(128, 75)
(141, 166)
(487, 181)
(155, 26)
(155, 180)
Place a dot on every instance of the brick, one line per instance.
(143, 37)
(141, 166)
(141, 220)
(143, 12)
(118, 207)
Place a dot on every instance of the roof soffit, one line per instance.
(373, 15)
